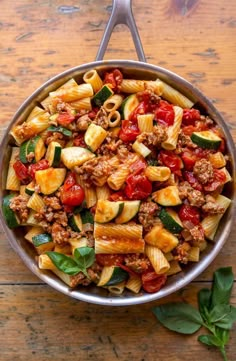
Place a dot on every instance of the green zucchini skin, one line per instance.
(128, 105)
(9, 215)
(169, 222)
(118, 275)
(102, 95)
(75, 222)
(206, 140)
(64, 131)
(41, 239)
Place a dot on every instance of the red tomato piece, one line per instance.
(109, 259)
(219, 179)
(142, 108)
(192, 180)
(70, 181)
(128, 132)
(65, 119)
(79, 141)
(114, 79)
(138, 166)
(68, 209)
(117, 196)
(74, 196)
(127, 269)
(164, 114)
(92, 114)
(189, 129)
(189, 213)
(152, 282)
(21, 170)
(41, 165)
(190, 116)
(171, 160)
(138, 187)
(189, 158)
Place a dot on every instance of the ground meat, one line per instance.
(52, 203)
(195, 197)
(204, 171)
(19, 204)
(94, 272)
(101, 118)
(149, 94)
(184, 188)
(211, 207)
(83, 122)
(110, 146)
(78, 280)
(61, 217)
(181, 252)
(156, 137)
(138, 263)
(184, 141)
(94, 170)
(60, 235)
(55, 137)
(197, 234)
(146, 214)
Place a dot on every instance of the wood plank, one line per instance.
(48, 325)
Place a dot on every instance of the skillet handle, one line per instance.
(121, 14)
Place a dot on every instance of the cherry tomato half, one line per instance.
(142, 108)
(190, 116)
(171, 160)
(138, 166)
(21, 170)
(189, 158)
(114, 79)
(41, 165)
(218, 181)
(164, 114)
(129, 131)
(69, 182)
(138, 187)
(109, 259)
(189, 213)
(74, 196)
(153, 282)
(192, 180)
(65, 119)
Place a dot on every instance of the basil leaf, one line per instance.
(223, 316)
(210, 340)
(204, 300)
(60, 129)
(84, 257)
(222, 286)
(179, 317)
(64, 263)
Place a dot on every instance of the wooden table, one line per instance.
(41, 38)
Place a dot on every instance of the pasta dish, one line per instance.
(117, 182)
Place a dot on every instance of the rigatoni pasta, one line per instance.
(118, 182)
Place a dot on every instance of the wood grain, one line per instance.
(41, 38)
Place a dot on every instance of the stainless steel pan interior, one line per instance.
(121, 13)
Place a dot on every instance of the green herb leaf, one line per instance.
(222, 286)
(59, 129)
(64, 263)
(84, 257)
(210, 340)
(204, 300)
(222, 334)
(179, 317)
(223, 316)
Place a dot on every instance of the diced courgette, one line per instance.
(170, 220)
(10, 216)
(40, 239)
(50, 179)
(128, 105)
(112, 275)
(53, 154)
(94, 136)
(106, 211)
(34, 145)
(102, 95)
(168, 196)
(129, 211)
(206, 139)
(75, 222)
(75, 156)
(30, 188)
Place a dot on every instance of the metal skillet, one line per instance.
(121, 14)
